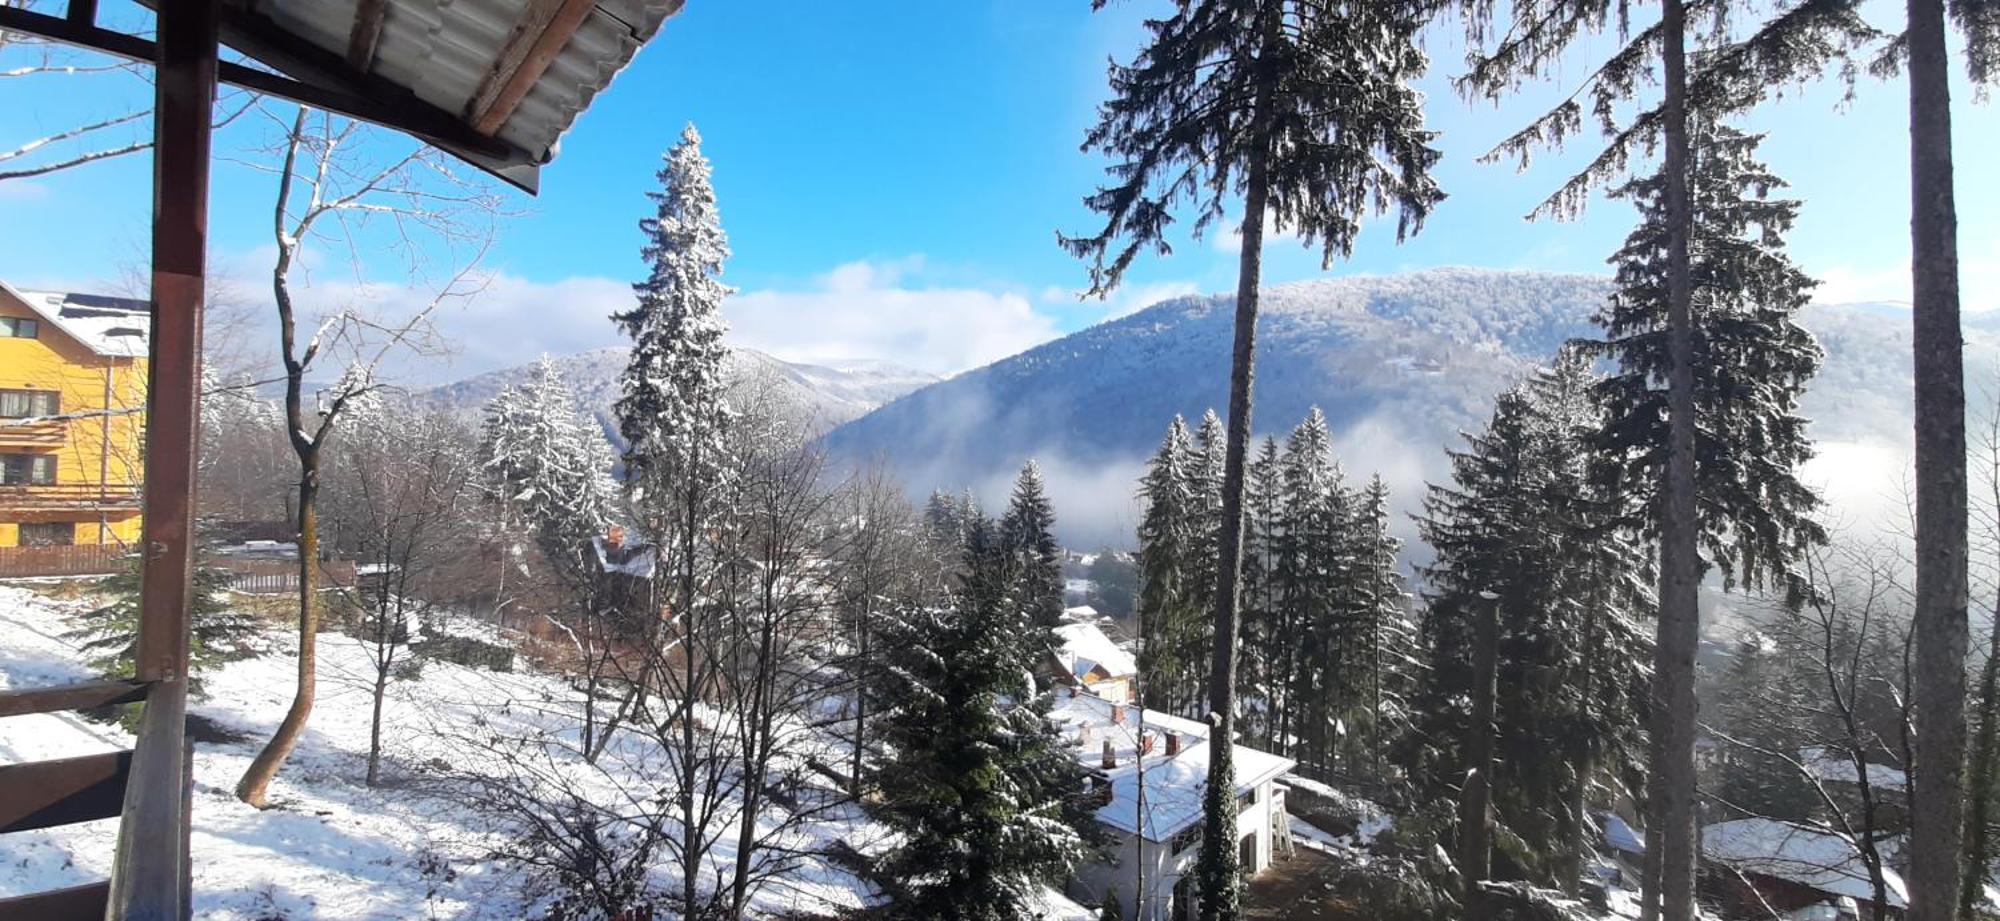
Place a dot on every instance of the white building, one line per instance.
(1089, 659)
(1151, 770)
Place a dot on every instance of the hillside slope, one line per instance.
(1400, 364)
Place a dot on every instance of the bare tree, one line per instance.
(398, 480)
(332, 185)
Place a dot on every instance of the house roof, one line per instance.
(1834, 767)
(1810, 857)
(1085, 648)
(493, 82)
(113, 327)
(453, 54)
(1172, 786)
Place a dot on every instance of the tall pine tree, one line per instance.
(1305, 109)
(1027, 535)
(986, 800)
(1172, 627)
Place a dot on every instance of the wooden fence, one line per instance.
(77, 560)
(278, 577)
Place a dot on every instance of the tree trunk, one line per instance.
(1979, 818)
(1221, 884)
(1680, 555)
(860, 701)
(256, 782)
(1475, 855)
(375, 725)
(1940, 619)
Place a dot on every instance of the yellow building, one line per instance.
(72, 417)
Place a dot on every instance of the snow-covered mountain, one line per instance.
(827, 394)
(1400, 364)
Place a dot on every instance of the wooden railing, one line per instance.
(48, 434)
(78, 560)
(147, 788)
(68, 497)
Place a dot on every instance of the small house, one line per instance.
(1087, 658)
(1150, 771)
(1757, 867)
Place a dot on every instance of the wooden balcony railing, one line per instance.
(43, 435)
(68, 497)
(71, 560)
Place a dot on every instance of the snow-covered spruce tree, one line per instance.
(1204, 465)
(675, 421)
(1385, 651)
(1166, 537)
(1536, 40)
(550, 467)
(1259, 688)
(1752, 361)
(1532, 516)
(1027, 534)
(1305, 109)
(1311, 566)
(988, 803)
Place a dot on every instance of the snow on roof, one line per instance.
(1046, 904)
(1085, 647)
(1173, 786)
(1621, 836)
(1834, 767)
(1813, 858)
(114, 327)
(1080, 612)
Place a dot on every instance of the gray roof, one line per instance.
(443, 50)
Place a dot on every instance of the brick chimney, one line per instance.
(1083, 734)
(1110, 756)
(1173, 744)
(1118, 714)
(615, 537)
(1145, 743)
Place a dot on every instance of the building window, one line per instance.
(19, 328)
(1248, 798)
(1186, 838)
(15, 404)
(27, 469)
(48, 534)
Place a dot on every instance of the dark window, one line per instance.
(1249, 798)
(48, 534)
(27, 469)
(17, 403)
(1187, 837)
(19, 328)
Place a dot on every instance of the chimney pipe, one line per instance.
(1118, 714)
(1173, 744)
(1110, 756)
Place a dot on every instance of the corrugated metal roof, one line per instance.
(442, 49)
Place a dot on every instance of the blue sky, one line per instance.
(892, 175)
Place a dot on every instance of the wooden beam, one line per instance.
(149, 874)
(86, 696)
(544, 28)
(366, 34)
(82, 12)
(311, 76)
(73, 904)
(64, 791)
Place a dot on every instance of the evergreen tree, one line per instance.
(1763, 690)
(1306, 110)
(1027, 535)
(1171, 624)
(1532, 519)
(109, 633)
(1259, 681)
(1309, 574)
(672, 411)
(987, 801)
(1385, 655)
(550, 467)
(1752, 360)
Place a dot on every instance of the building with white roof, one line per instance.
(1151, 770)
(1794, 870)
(1090, 659)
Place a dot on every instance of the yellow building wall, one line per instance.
(102, 449)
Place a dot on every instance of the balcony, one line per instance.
(46, 435)
(68, 497)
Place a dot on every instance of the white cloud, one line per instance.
(877, 310)
(1127, 299)
(1978, 280)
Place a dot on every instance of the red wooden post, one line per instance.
(185, 96)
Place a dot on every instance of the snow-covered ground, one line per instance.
(332, 847)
